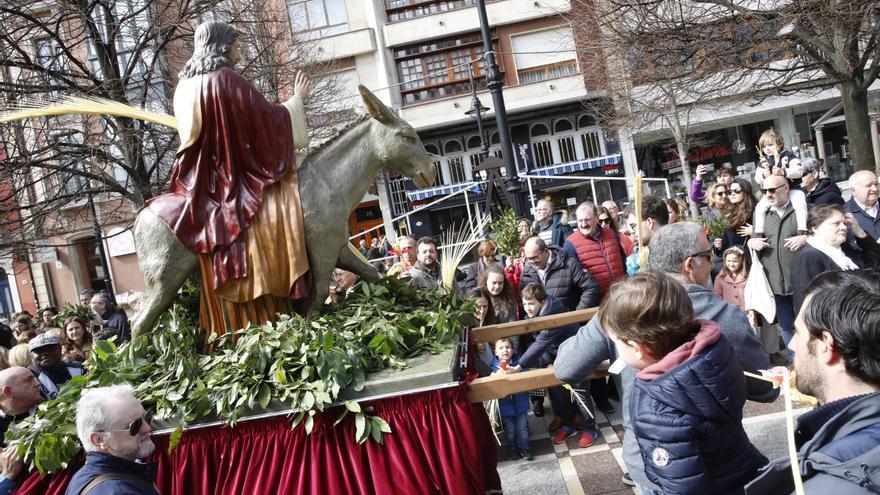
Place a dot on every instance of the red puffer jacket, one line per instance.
(603, 258)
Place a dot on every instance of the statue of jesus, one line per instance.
(234, 196)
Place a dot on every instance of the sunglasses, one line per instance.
(771, 190)
(135, 426)
(736, 191)
(721, 193)
(606, 221)
(708, 254)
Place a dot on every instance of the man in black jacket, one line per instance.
(820, 190)
(548, 225)
(561, 275)
(837, 361)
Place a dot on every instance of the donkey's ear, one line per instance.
(376, 108)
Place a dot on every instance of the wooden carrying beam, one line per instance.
(498, 386)
(491, 333)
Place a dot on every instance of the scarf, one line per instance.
(835, 253)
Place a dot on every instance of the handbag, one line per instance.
(758, 294)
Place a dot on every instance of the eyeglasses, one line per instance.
(735, 191)
(606, 221)
(772, 190)
(135, 426)
(708, 254)
(533, 259)
(720, 193)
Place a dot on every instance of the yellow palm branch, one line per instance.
(72, 105)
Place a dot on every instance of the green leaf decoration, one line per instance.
(295, 363)
(506, 234)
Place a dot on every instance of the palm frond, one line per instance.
(461, 242)
(72, 105)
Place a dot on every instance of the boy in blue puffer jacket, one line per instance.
(515, 408)
(686, 405)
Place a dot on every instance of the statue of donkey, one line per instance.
(332, 181)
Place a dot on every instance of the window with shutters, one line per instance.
(546, 54)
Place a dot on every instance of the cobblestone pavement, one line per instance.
(565, 468)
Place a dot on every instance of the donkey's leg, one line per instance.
(165, 264)
(352, 260)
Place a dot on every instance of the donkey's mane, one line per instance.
(339, 133)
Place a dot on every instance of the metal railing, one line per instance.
(582, 178)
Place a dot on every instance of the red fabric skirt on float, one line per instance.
(440, 443)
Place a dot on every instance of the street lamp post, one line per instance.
(495, 82)
(477, 111)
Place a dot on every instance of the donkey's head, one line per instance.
(397, 144)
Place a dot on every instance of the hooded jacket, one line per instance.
(825, 193)
(582, 354)
(565, 280)
(841, 458)
(686, 414)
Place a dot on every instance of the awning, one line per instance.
(566, 168)
(442, 190)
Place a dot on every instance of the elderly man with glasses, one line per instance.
(777, 250)
(115, 432)
(561, 275)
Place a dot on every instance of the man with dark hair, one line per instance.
(560, 275)
(820, 190)
(655, 214)
(837, 360)
(724, 176)
(426, 272)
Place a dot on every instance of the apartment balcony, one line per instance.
(450, 111)
(345, 45)
(466, 20)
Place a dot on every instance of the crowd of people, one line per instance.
(682, 322)
(38, 357)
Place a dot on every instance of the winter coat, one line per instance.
(810, 262)
(600, 254)
(543, 350)
(731, 289)
(565, 280)
(776, 257)
(514, 404)
(686, 413)
(841, 458)
(560, 230)
(825, 193)
(115, 323)
(99, 463)
(582, 354)
(870, 225)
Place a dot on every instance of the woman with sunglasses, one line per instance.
(737, 215)
(607, 221)
(716, 201)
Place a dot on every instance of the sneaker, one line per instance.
(555, 425)
(561, 436)
(588, 439)
(627, 480)
(515, 455)
(527, 455)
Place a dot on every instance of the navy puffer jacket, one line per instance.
(688, 420)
